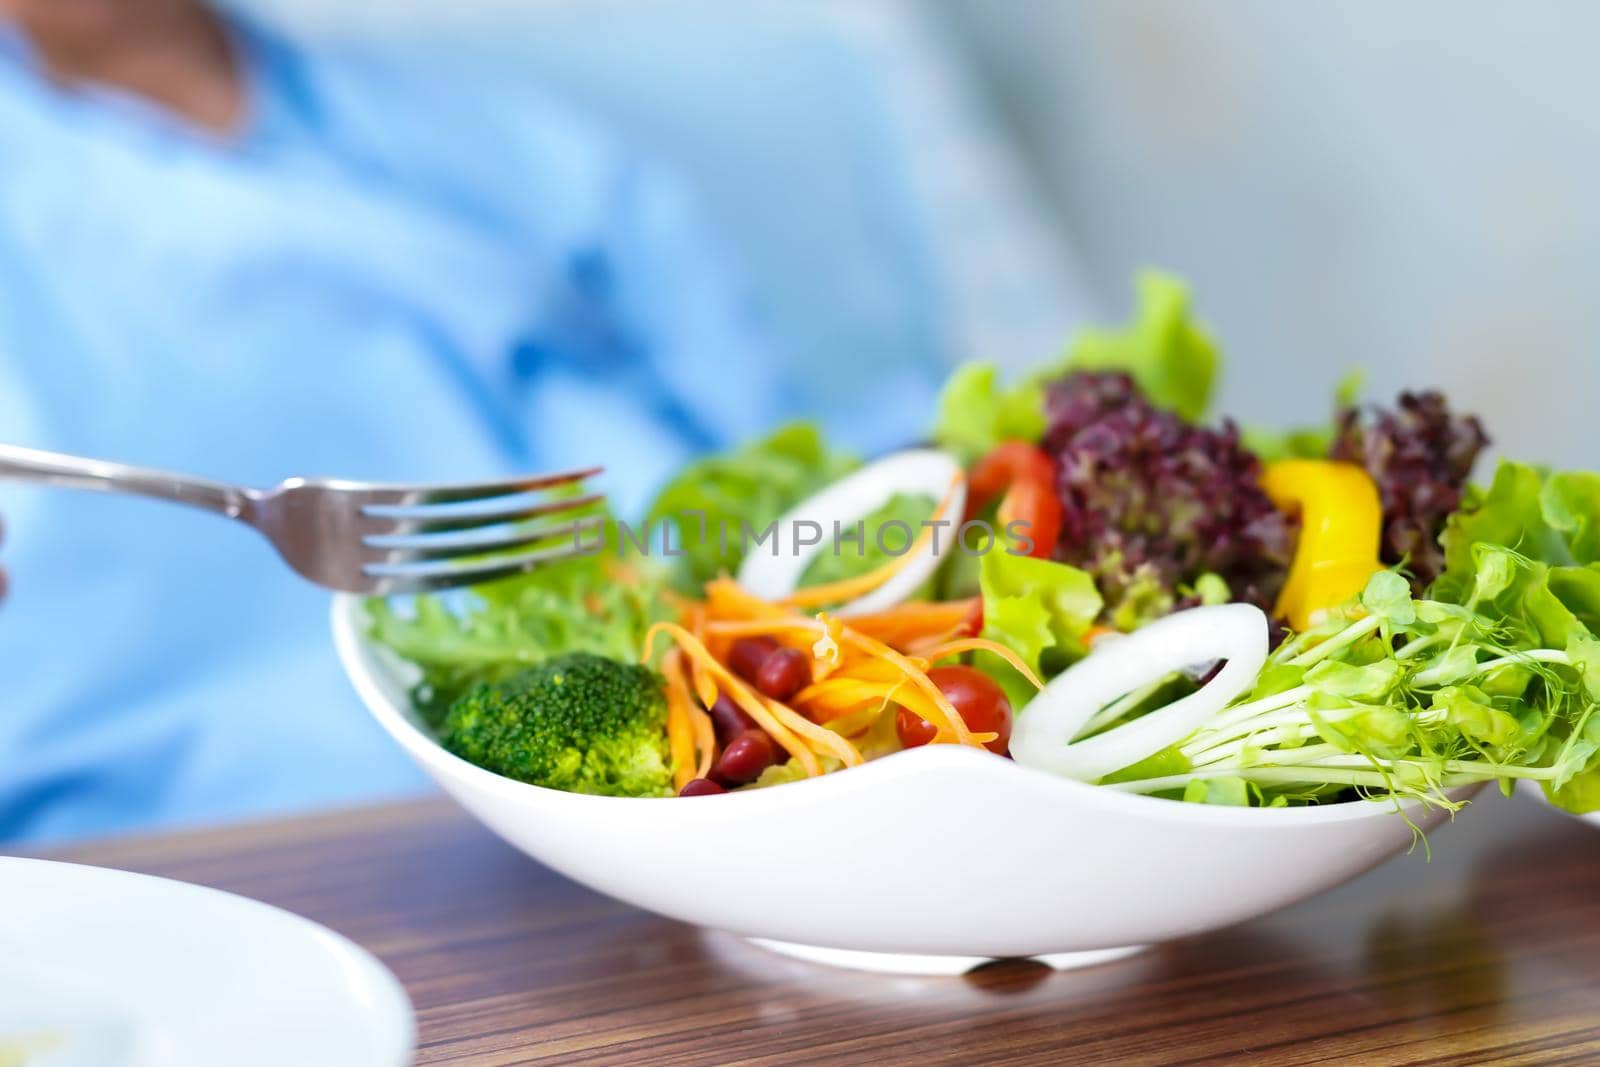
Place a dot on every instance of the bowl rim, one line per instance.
(357, 654)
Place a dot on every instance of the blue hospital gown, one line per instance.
(399, 268)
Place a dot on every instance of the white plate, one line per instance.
(103, 968)
(947, 854)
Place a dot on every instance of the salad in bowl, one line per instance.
(1084, 627)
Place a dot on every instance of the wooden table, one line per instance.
(1490, 952)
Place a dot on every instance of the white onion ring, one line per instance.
(846, 502)
(1043, 734)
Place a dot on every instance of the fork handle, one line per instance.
(76, 472)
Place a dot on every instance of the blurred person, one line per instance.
(227, 253)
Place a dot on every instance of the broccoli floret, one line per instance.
(578, 722)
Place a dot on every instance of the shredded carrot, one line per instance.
(952, 725)
(826, 740)
(701, 682)
(738, 692)
(909, 622)
(826, 651)
(769, 626)
(868, 669)
(705, 686)
(841, 691)
(705, 737)
(680, 726)
(845, 697)
(916, 701)
(786, 726)
(977, 644)
(851, 588)
(725, 597)
(684, 605)
(704, 689)
(860, 667)
(1095, 633)
(922, 645)
(859, 586)
(854, 723)
(705, 741)
(918, 704)
(692, 616)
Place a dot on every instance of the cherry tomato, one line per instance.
(1027, 477)
(977, 698)
(913, 729)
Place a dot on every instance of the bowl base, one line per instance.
(933, 966)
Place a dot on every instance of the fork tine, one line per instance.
(421, 495)
(467, 512)
(388, 549)
(432, 577)
(390, 532)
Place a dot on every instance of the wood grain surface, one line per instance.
(1487, 952)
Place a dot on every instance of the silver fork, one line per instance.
(361, 537)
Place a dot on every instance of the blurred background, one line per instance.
(827, 204)
(1402, 188)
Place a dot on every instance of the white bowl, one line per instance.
(930, 860)
(1532, 791)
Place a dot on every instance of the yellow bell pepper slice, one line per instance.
(1341, 522)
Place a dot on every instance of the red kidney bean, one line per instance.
(701, 787)
(786, 672)
(749, 654)
(744, 759)
(729, 719)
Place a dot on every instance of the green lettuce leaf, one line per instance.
(1527, 551)
(856, 558)
(1168, 353)
(1576, 787)
(1570, 504)
(1367, 682)
(1388, 596)
(754, 484)
(1164, 764)
(1231, 791)
(1547, 518)
(1304, 442)
(592, 604)
(1507, 515)
(1301, 442)
(976, 412)
(1473, 712)
(1038, 609)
